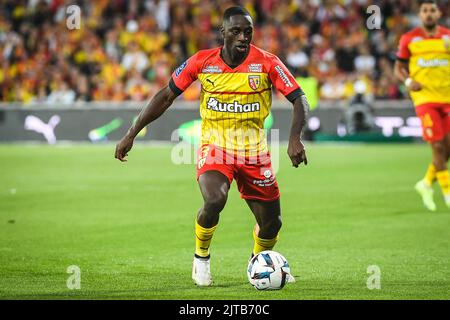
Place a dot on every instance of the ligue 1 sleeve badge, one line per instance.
(254, 81)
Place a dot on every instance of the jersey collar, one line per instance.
(239, 65)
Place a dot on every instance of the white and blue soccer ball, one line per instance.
(268, 270)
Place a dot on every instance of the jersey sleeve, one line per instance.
(284, 81)
(403, 52)
(184, 75)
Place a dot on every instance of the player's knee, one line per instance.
(215, 202)
(440, 148)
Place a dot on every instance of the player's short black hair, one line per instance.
(421, 2)
(234, 11)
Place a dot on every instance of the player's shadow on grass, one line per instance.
(80, 294)
(415, 211)
(227, 285)
(118, 294)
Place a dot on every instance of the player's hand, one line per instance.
(414, 86)
(297, 152)
(123, 147)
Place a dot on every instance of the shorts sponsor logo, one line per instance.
(429, 132)
(265, 183)
(234, 107)
(267, 173)
(254, 81)
(255, 67)
(284, 77)
(268, 181)
(180, 69)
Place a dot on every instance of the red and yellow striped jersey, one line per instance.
(234, 102)
(429, 64)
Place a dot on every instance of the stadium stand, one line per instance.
(126, 50)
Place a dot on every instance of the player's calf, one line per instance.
(269, 229)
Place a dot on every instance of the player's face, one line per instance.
(237, 34)
(429, 14)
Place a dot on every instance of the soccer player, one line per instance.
(423, 64)
(237, 80)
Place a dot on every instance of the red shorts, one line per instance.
(435, 120)
(254, 176)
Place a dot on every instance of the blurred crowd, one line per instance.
(127, 49)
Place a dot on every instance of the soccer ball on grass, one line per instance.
(268, 270)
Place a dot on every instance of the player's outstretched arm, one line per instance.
(402, 74)
(296, 149)
(154, 109)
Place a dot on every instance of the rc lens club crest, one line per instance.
(254, 81)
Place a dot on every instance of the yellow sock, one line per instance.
(203, 238)
(443, 178)
(430, 175)
(263, 244)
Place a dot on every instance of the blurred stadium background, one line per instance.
(125, 51)
(353, 206)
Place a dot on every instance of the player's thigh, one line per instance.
(433, 124)
(214, 176)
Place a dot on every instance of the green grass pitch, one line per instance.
(129, 227)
